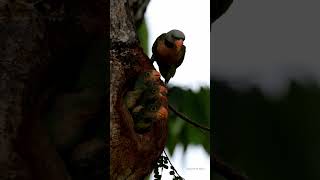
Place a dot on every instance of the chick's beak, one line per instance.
(162, 113)
(155, 75)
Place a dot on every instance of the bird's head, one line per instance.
(175, 37)
(151, 75)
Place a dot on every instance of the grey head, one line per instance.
(173, 35)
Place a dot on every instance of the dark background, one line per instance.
(265, 89)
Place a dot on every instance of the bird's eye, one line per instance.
(146, 74)
(154, 91)
(153, 108)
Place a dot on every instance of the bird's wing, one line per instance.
(181, 55)
(155, 44)
(171, 72)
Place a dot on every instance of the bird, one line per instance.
(152, 92)
(141, 84)
(168, 51)
(144, 116)
(146, 113)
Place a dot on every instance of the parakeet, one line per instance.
(145, 102)
(168, 51)
(145, 114)
(156, 110)
(150, 75)
(152, 92)
(140, 86)
(142, 123)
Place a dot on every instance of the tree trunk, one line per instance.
(132, 155)
(40, 45)
(24, 59)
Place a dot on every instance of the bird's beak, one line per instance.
(155, 74)
(179, 43)
(162, 113)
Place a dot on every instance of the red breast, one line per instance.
(167, 55)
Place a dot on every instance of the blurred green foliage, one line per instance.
(268, 138)
(143, 36)
(195, 105)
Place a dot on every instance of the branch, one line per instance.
(188, 120)
(227, 171)
(221, 167)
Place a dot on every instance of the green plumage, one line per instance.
(151, 92)
(141, 85)
(144, 115)
(143, 103)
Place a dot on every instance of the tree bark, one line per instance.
(133, 155)
(24, 59)
(40, 45)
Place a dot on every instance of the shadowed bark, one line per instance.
(24, 59)
(39, 44)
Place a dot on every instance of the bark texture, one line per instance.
(132, 155)
(40, 43)
(24, 58)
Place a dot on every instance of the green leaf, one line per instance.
(143, 36)
(180, 132)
